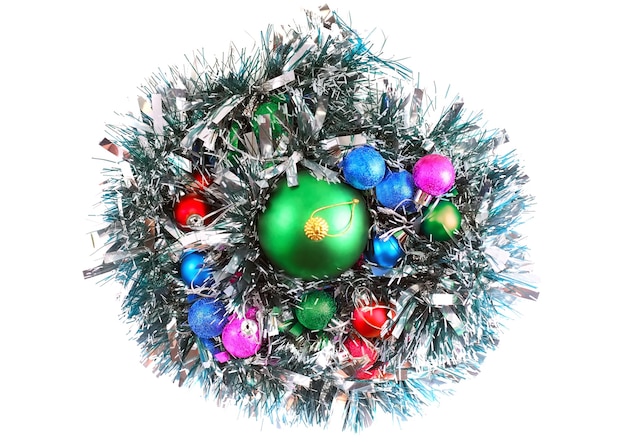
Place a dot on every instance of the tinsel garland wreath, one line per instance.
(299, 230)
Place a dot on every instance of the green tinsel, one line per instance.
(451, 298)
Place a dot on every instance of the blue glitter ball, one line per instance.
(396, 190)
(207, 318)
(384, 252)
(363, 167)
(193, 270)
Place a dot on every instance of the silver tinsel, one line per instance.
(333, 94)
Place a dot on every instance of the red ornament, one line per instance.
(370, 320)
(202, 180)
(361, 349)
(365, 355)
(191, 211)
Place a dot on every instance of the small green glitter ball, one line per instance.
(316, 309)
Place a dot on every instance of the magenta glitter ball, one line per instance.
(241, 337)
(434, 174)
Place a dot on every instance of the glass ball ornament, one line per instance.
(441, 221)
(316, 309)
(385, 252)
(191, 211)
(207, 318)
(194, 271)
(202, 180)
(272, 110)
(362, 349)
(234, 134)
(396, 190)
(363, 354)
(241, 337)
(370, 320)
(363, 167)
(434, 174)
(233, 153)
(315, 230)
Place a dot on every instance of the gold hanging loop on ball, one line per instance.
(316, 228)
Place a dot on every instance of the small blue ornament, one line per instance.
(384, 252)
(207, 318)
(210, 345)
(396, 190)
(193, 270)
(363, 167)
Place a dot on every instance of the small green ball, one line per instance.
(441, 221)
(271, 108)
(316, 309)
(233, 134)
(233, 138)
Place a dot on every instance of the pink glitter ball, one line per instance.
(241, 336)
(434, 174)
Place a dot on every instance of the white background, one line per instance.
(550, 72)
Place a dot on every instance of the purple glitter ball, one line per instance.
(434, 174)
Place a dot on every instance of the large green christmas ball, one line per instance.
(315, 230)
(441, 221)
